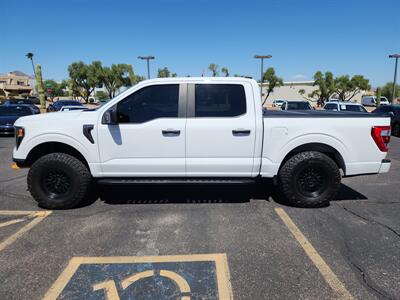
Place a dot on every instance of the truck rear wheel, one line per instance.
(59, 181)
(309, 179)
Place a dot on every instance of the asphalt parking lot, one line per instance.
(132, 243)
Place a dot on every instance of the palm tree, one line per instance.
(29, 55)
(225, 71)
(214, 69)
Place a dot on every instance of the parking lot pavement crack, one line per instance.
(366, 281)
(371, 221)
(13, 178)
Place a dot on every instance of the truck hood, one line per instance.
(48, 118)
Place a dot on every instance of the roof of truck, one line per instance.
(205, 79)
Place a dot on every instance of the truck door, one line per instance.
(149, 137)
(220, 130)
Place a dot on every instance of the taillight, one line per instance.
(381, 136)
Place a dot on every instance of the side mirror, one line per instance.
(110, 117)
(391, 114)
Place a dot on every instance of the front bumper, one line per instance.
(7, 129)
(385, 166)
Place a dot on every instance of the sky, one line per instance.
(303, 36)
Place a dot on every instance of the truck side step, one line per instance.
(205, 181)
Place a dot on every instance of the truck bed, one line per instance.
(318, 114)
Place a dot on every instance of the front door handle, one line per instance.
(171, 132)
(241, 132)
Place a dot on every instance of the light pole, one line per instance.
(396, 56)
(147, 58)
(262, 70)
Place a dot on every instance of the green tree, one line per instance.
(174, 75)
(85, 77)
(163, 73)
(114, 77)
(273, 81)
(325, 84)
(135, 78)
(225, 71)
(347, 88)
(387, 91)
(214, 69)
(378, 95)
(100, 95)
(40, 86)
(29, 55)
(54, 89)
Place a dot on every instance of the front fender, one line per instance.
(27, 145)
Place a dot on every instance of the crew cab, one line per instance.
(197, 130)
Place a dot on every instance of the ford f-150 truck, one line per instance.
(197, 130)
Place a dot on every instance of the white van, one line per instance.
(371, 101)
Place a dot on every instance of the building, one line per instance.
(15, 84)
(290, 91)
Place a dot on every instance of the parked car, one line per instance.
(344, 106)
(197, 130)
(277, 103)
(73, 107)
(394, 113)
(371, 101)
(296, 105)
(9, 114)
(56, 106)
(24, 102)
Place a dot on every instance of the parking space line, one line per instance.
(318, 261)
(17, 212)
(38, 217)
(4, 224)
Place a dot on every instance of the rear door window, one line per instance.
(219, 100)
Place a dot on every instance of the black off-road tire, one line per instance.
(309, 179)
(396, 130)
(59, 181)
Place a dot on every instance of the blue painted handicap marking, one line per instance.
(185, 277)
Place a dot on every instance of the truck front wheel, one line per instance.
(309, 179)
(59, 181)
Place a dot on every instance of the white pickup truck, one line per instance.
(197, 130)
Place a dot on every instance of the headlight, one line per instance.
(19, 135)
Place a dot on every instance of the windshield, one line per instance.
(20, 101)
(298, 105)
(15, 111)
(358, 108)
(331, 106)
(71, 102)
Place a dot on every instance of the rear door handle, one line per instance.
(241, 132)
(171, 132)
